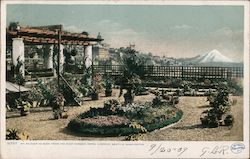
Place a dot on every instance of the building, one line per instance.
(100, 51)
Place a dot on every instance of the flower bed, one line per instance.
(115, 119)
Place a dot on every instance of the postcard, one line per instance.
(124, 79)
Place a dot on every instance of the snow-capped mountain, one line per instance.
(210, 57)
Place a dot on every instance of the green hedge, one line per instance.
(152, 127)
(118, 130)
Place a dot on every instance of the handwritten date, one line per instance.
(159, 148)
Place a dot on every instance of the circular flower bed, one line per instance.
(102, 121)
(115, 119)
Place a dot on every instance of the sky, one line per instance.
(164, 30)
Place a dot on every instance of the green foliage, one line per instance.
(107, 83)
(111, 107)
(13, 26)
(157, 125)
(57, 113)
(90, 83)
(210, 120)
(135, 125)
(141, 89)
(19, 79)
(135, 137)
(57, 104)
(220, 105)
(157, 101)
(235, 87)
(229, 120)
(131, 65)
(57, 100)
(186, 85)
(85, 82)
(139, 118)
(14, 134)
(47, 94)
(23, 105)
(96, 86)
(120, 130)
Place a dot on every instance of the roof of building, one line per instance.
(49, 35)
(14, 88)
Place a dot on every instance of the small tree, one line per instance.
(131, 65)
(108, 85)
(220, 105)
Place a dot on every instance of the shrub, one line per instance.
(47, 94)
(235, 87)
(135, 137)
(210, 120)
(141, 90)
(135, 125)
(57, 104)
(229, 120)
(14, 134)
(108, 85)
(220, 105)
(157, 101)
(111, 107)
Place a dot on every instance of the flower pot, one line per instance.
(228, 121)
(108, 93)
(129, 98)
(35, 104)
(24, 112)
(94, 96)
(64, 115)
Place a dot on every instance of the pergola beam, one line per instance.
(47, 36)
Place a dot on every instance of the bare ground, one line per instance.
(39, 125)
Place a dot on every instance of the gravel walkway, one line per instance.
(40, 125)
(189, 127)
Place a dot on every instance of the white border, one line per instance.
(46, 149)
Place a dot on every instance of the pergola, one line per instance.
(48, 35)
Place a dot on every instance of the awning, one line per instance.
(13, 88)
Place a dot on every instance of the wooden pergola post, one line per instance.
(58, 58)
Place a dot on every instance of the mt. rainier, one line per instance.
(210, 57)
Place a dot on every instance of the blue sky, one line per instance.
(174, 31)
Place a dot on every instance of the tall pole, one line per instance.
(58, 58)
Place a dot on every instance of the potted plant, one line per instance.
(108, 84)
(23, 106)
(131, 65)
(36, 96)
(58, 105)
(229, 120)
(96, 87)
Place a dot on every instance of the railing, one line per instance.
(177, 71)
(31, 63)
